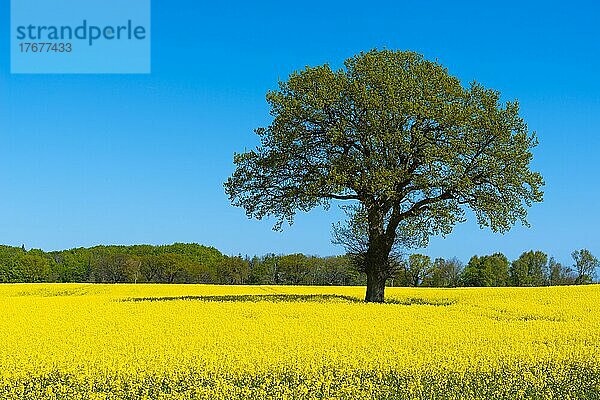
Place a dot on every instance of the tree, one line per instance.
(486, 271)
(415, 270)
(34, 266)
(530, 269)
(270, 264)
(111, 267)
(402, 140)
(133, 268)
(585, 266)
(336, 271)
(294, 269)
(72, 265)
(151, 269)
(234, 271)
(258, 272)
(444, 273)
(559, 274)
(172, 266)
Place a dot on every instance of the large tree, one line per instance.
(402, 140)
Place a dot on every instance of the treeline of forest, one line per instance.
(193, 263)
(176, 263)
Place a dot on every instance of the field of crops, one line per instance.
(78, 341)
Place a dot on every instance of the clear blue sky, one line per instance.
(123, 159)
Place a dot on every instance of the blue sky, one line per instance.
(123, 159)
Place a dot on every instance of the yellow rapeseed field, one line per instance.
(89, 341)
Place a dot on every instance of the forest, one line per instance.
(194, 263)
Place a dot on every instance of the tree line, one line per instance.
(194, 263)
(176, 263)
(532, 268)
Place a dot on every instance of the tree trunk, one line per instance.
(375, 287)
(377, 269)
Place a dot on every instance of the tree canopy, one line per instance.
(585, 265)
(400, 138)
(530, 269)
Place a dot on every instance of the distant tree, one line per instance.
(150, 268)
(110, 267)
(172, 266)
(486, 271)
(271, 269)
(585, 266)
(133, 268)
(415, 270)
(234, 271)
(473, 274)
(294, 269)
(299, 269)
(444, 273)
(453, 268)
(401, 139)
(559, 274)
(337, 271)
(10, 269)
(34, 266)
(258, 273)
(530, 269)
(72, 265)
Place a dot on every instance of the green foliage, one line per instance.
(392, 131)
(18, 265)
(193, 263)
(299, 269)
(585, 266)
(414, 271)
(401, 139)
(444, 273)
(530, 269)
(486, 271)
(9, 269)
(559, 274)
(177, 263)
